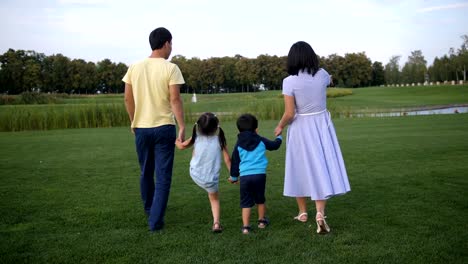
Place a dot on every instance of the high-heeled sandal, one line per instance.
(322, 227)
(302, 217)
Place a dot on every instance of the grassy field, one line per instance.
(361, 98)
(373, 98)
(378, 99)
(72, 196)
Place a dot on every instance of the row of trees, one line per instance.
(22, 71)
(231, 74)
(31, 71)
(446, 68)
(243, 74)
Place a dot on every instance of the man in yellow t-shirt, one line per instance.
(152, 100)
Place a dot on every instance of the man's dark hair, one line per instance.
(302, 57)
(247, 122)
(158, 37)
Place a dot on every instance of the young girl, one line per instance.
(208, 143)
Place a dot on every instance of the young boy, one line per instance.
(249, 162)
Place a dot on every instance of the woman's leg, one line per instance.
(320, 206)
(302, 206)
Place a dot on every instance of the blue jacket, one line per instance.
(248, 155)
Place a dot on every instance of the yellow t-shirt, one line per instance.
(150, 80)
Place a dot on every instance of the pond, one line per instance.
(434, 111)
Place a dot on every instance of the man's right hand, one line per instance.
(181, 136)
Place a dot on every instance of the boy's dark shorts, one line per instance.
(252, 190)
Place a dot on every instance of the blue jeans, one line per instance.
(155, 149)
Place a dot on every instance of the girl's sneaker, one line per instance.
(245, 230)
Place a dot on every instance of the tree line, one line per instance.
(451, 67)
(22, 71)
(27, 71)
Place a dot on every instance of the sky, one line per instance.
(95, 30)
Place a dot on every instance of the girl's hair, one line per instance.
(207, 125)
(302, 57)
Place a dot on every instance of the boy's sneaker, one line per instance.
(262, 223)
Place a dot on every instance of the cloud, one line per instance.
(437, 8)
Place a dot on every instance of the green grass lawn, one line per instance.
(384, 98)
(371, 98)
(72, 196)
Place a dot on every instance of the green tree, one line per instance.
(415, 69)
(392, 70)
(462, 57)
(90, 83)
(193, 74)
(333, 64)
(378, 74)
(245, 73)
(106, 75)
(12, 71)
(357, 70)
(452, 66)
(184, 67)
(229, 74)
(119, 71)
(77, 75)
(434, 70)
(55, 74)
(32, 71)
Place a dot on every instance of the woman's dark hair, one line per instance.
(159, 37)
(207, 125)
(302, 57)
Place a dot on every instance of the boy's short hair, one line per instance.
(159, 37)
(247, 122)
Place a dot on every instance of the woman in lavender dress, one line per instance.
(314, 163)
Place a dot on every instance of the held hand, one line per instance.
(132, 130)
(181, 136)
(232, 182)
(179, 144)
(278, 131)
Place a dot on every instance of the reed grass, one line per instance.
(46, 117)
(29, 98)
(338, 92)
(89, 111)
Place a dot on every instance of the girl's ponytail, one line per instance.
(194, 135)
(222, 138)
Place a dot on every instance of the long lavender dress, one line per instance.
(314, 163)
